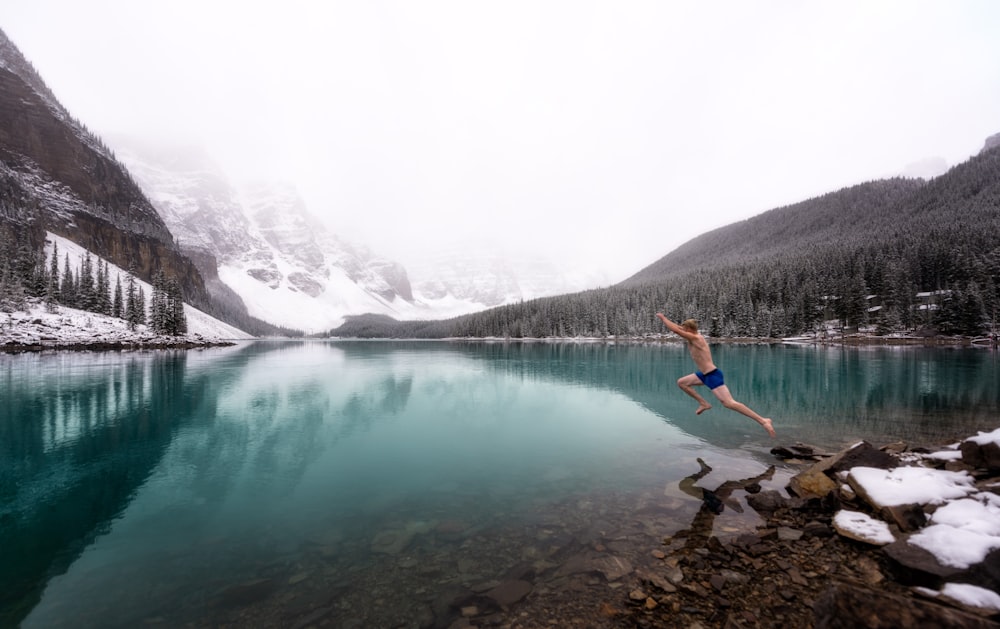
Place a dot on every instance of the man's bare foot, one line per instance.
(702, 409)
(766, 423)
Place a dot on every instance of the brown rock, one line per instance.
(985, 456)
(907, 517)
(812, 483)
(861, 455)
(844, 606)
(509, 592)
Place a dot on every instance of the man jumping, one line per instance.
(708, 374)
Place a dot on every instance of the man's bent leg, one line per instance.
(687, 384)
(722, 392)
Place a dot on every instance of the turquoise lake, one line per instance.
(372, 484)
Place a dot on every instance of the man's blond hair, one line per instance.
(690, 324)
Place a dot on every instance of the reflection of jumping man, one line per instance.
(707, 374)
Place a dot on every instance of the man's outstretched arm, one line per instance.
(676, 329)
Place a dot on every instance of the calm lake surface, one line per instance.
(369, 484)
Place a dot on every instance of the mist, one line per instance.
(599, 134)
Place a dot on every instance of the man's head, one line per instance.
(690, 324)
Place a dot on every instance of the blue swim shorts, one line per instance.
(712, 379)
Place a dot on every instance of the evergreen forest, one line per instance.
(896, 256)
(26, 272)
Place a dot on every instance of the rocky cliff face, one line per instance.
(270, 249)
(56, 175)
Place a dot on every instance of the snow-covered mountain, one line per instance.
(284, 264)
(292, 271)
(486, 274)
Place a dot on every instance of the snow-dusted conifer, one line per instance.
(68, 288)
(116, 305)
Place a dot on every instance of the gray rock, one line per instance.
(787, 534)
(922, 564)
(767, 501)
(861, 455)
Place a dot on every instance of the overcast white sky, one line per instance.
(607, 132)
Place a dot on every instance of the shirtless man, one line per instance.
(707, 374)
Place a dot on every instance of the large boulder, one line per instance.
(845, 606)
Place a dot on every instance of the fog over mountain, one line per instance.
(599, 134)
(292, 270)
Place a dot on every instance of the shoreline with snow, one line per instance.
(37, 329)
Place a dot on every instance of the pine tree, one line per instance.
(87, 292)
(158, 305)
(103, 288)
(140, 307)
(11, 289)
(68, 289)
(175, 309)
(131, 307)
(116, 305)
(54, 273)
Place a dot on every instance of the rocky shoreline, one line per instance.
(16, 347)
(72, 330)
(800, 570)
(602, 561)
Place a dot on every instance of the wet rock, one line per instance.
(246, 593)
(509, 592)
(797, 451)
(657, 580)
(313, 617)
(395, 541)
(298, 578)
(767, 501)
(612, 568)
(844, 606)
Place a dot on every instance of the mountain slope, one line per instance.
(891, 256)
(291, 270)
(56, 175)
(963, 200)
(270, 251)
(826, 220)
